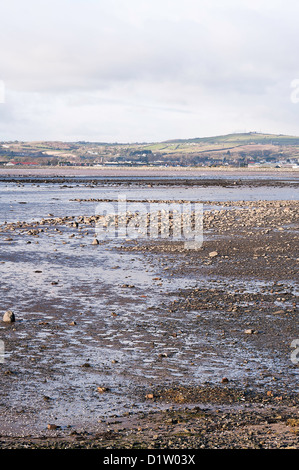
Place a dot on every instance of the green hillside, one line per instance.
(242, 139)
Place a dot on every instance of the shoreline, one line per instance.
(147, 171)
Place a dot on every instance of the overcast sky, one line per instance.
(147, 70)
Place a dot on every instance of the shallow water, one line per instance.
(33, 201)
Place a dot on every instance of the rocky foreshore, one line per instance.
(243, 313)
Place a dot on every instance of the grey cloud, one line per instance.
(110, 65)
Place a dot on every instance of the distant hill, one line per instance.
(239, 149)
(243, 139)
(231, 149)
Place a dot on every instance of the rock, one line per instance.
(95, 241)
(9, 317)
(293, 422)
(52, 427)
(149, 395)
(212, 254)
(250, 331)
(224, 380)
(163, 355)
(102, 389)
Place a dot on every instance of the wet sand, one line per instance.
(190, 173)
(144, 344)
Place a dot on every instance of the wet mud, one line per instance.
(147, 344)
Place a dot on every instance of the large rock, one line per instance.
(9, 317)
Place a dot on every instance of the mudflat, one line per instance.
(146, 344)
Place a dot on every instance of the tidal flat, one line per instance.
(140, 342)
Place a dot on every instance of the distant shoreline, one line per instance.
(146, 171)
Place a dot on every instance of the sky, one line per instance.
(147, 71)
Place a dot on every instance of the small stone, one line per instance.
(95, 241)
(224, 380)
(212, 254)
(163, 355)
(102, 389)
(293, 422)
(9, 317)
(149, 395)
(52, 427)
(249, 331)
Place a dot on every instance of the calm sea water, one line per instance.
(25, 200)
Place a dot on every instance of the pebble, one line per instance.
(9, 317)
(95, 241)
(212, 254)
(52, 427)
